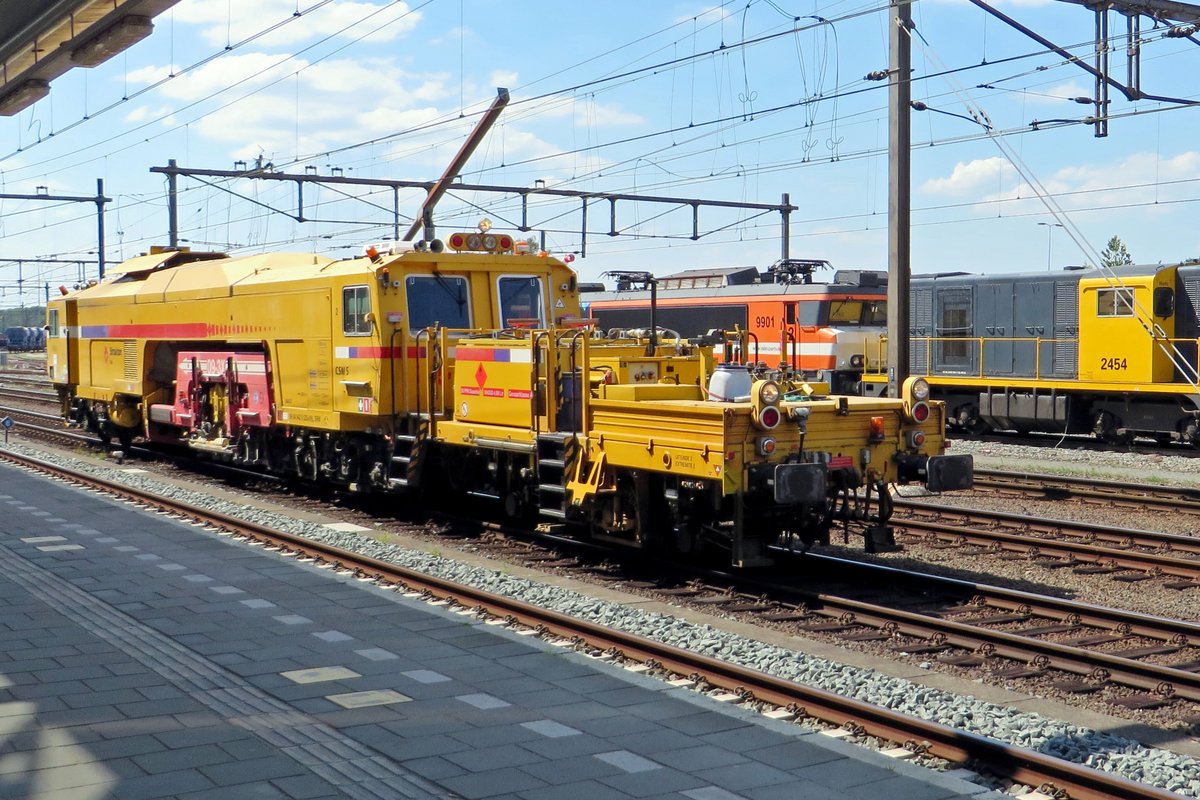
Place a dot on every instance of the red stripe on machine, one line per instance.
(166, 330)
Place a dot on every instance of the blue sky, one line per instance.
(715, 102)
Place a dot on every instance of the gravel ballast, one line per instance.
(1100, 750)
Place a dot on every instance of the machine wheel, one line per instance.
(1189, 433)
(623, 513)
(1107, 429)
(967, 419)
(687, 541)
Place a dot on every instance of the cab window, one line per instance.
(875, 314)
(437, 300)
(356, 304)
(810, 314)
(520, 301)
(54, 322)
(845, 312)
(1114, 303)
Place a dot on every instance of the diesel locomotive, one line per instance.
(467, 369)
(1110, 352)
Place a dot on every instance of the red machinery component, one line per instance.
(218, 394)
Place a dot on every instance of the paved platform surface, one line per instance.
(144, 658)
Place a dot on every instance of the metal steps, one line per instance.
(555, 452)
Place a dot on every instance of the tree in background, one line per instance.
(1115, 254)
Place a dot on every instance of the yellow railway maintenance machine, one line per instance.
(472, 372)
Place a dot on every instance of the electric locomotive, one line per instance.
(413, 368)
(1110, 352)
(832, 332)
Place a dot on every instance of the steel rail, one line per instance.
(1077, 548)
(1159, 679)
(40, 415)
(1087, 531)
(26, 394)
(1058, 609)
(1177, 498)
(1018, 764)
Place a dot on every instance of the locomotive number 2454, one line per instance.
(1113, 363)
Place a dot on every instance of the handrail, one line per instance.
(536, 370)
(417, 371)
(578, 425)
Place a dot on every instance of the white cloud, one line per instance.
(503, 77)
(323, 105)
(244, 69)
(143, 113)
(1139, 183)
(229, 23)
(1134, 179)
(586, 113)
(970, 177)
(707, 14)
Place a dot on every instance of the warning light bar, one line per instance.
(480, 242)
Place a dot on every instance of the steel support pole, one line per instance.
(1101, 126)
(396, 213)
(899, 185)
(172, 205)
(100, 199)
(785, 232)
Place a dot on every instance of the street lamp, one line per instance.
(1050, 226)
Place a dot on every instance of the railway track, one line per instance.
(922, 736)
(1124, 553)
(31, 394)
(1009, 634)
(1175, 499)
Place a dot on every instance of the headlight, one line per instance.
(918, 389)
(856, 360)
(769, 392)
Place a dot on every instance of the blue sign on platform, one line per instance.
(7, 422)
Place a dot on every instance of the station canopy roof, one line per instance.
(40, 41)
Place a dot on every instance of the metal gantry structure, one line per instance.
(267, 173)
(99, 199)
